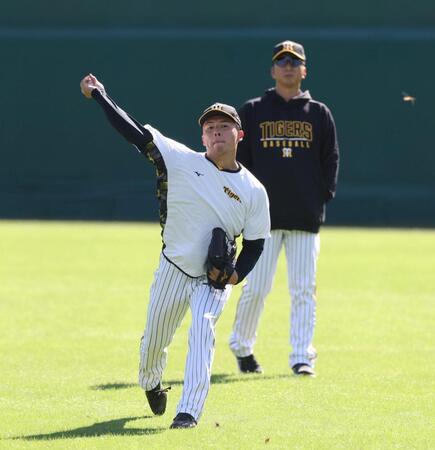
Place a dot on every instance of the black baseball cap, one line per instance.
(293, 48)
(220, 109)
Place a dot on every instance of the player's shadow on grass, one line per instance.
(113, 386)
(217, 378)
(110, 427)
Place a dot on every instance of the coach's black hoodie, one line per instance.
(292, 148)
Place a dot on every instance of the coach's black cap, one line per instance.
(293, 48)
(220, 109)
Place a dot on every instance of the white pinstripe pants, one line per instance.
(172, 292)
(302, 250)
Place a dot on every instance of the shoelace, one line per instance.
(162, 391)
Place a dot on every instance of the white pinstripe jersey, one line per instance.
(201, 197)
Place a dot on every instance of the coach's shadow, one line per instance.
(218, 378)
(110, 427)
(224, 378)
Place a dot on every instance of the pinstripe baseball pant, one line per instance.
(171, 294)
(302, 250)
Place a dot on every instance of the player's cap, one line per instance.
(293, 48)
(220, 109)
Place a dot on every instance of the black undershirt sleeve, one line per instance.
(251, 251)
(142, 139)
(127, 126)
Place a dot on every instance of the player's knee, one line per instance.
(202, 331)
(303, 294)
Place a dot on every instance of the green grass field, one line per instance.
(73, 300)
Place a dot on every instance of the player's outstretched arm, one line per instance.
(126, 125)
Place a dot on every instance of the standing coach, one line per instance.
(290, 145)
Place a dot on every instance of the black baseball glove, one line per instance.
(221, 254)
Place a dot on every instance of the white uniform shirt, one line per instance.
(201, 197)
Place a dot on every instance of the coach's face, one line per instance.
(288, 72)
(220, 136)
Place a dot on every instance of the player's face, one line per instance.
(220, 135)
(288, 72)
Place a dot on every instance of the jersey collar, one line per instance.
(224, 170)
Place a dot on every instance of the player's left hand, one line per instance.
(88, 84)
(214, 274)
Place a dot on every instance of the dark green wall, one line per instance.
(60, 159)
(225, 13)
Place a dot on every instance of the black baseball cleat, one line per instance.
(157, 399)
(248, 364)
(303, 369)
(183, 420)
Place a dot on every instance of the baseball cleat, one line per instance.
(157, 398)
(183, 420)
(248, 364)
(303, 369)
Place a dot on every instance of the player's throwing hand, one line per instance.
(88, 84)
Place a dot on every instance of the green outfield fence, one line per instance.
(166, 62)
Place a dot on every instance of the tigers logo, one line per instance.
(231, 194)
(288, 47)
(286, 133)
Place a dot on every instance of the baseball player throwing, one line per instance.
(201, 195)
